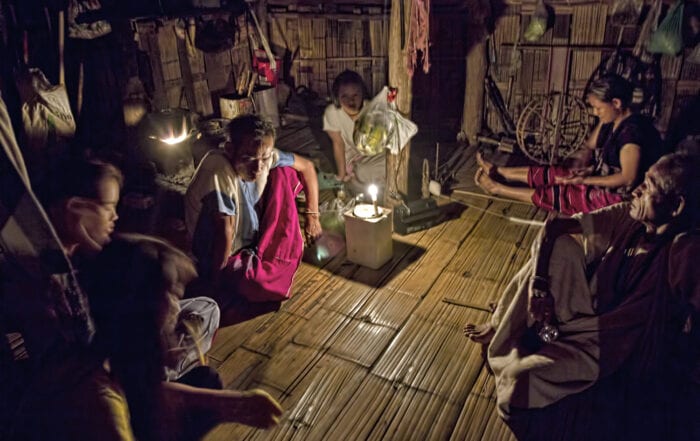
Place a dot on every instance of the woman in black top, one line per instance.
(623, 145)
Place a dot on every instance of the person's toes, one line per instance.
(468, 329)
(482, 179)
(479, 178)
(482, 333)
(483, 164)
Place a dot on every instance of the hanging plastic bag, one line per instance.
(47, 123)
(381, 126)
(626, 12)
(45, 108)
(538, 24)
(667, 39)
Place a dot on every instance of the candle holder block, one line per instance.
(368, 237)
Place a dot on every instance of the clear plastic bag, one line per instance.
(331, 216)
(538, 23)
(381, 126)
(667, 39)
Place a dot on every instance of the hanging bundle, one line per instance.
(667, 39)
(538, 24)
(626, 12)
(380, 126)
(82, 29)
(418, 35)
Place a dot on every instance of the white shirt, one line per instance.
(336, 120)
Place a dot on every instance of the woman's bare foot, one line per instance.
(482, 333)
(484, 181)
(485, 165)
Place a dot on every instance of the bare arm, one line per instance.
(224, 231)
(310, 181)
(553, 228)
(253, 408)
(630, 155)
(541, 305)
(629, 161)
(338, 154)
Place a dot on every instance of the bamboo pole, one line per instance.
(473, 110)
(61, 46)
(397, 165)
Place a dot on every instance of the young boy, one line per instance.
(220, 203)
(358, 170)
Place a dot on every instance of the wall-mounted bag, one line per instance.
(47, 123)
(667, 39)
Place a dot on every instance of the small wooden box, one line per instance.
(233, 105)
(368, 241)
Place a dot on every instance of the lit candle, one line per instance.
(372, 190)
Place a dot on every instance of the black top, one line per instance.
(635, 129)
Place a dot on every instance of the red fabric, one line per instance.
(566, 199)
(266, 273)
(418, 35)
(262, 66)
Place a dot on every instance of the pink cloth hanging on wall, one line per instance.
(418, 35)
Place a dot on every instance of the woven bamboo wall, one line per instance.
(322, 46)
(586, 31)
(184, 76)
(314, 49)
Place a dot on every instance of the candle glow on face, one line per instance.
(372, 190)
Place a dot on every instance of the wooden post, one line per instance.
(397, 165)
(473, 112)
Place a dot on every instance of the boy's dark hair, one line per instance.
(80, 179)
(347, 77)
(245, 127)
(611, 86)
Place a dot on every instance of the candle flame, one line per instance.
(373, 190)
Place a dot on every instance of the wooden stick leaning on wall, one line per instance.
(61, 46)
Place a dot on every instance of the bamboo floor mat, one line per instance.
(361, 354)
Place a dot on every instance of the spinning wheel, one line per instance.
(552, 127)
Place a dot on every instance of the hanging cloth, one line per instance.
(418, 35)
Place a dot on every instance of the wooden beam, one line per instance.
(397, 165)
(473, 112)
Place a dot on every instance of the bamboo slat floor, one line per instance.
(361, 354)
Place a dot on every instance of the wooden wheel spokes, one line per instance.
(552, 127)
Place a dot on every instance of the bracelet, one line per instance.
(539, 294)
(314, 213)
